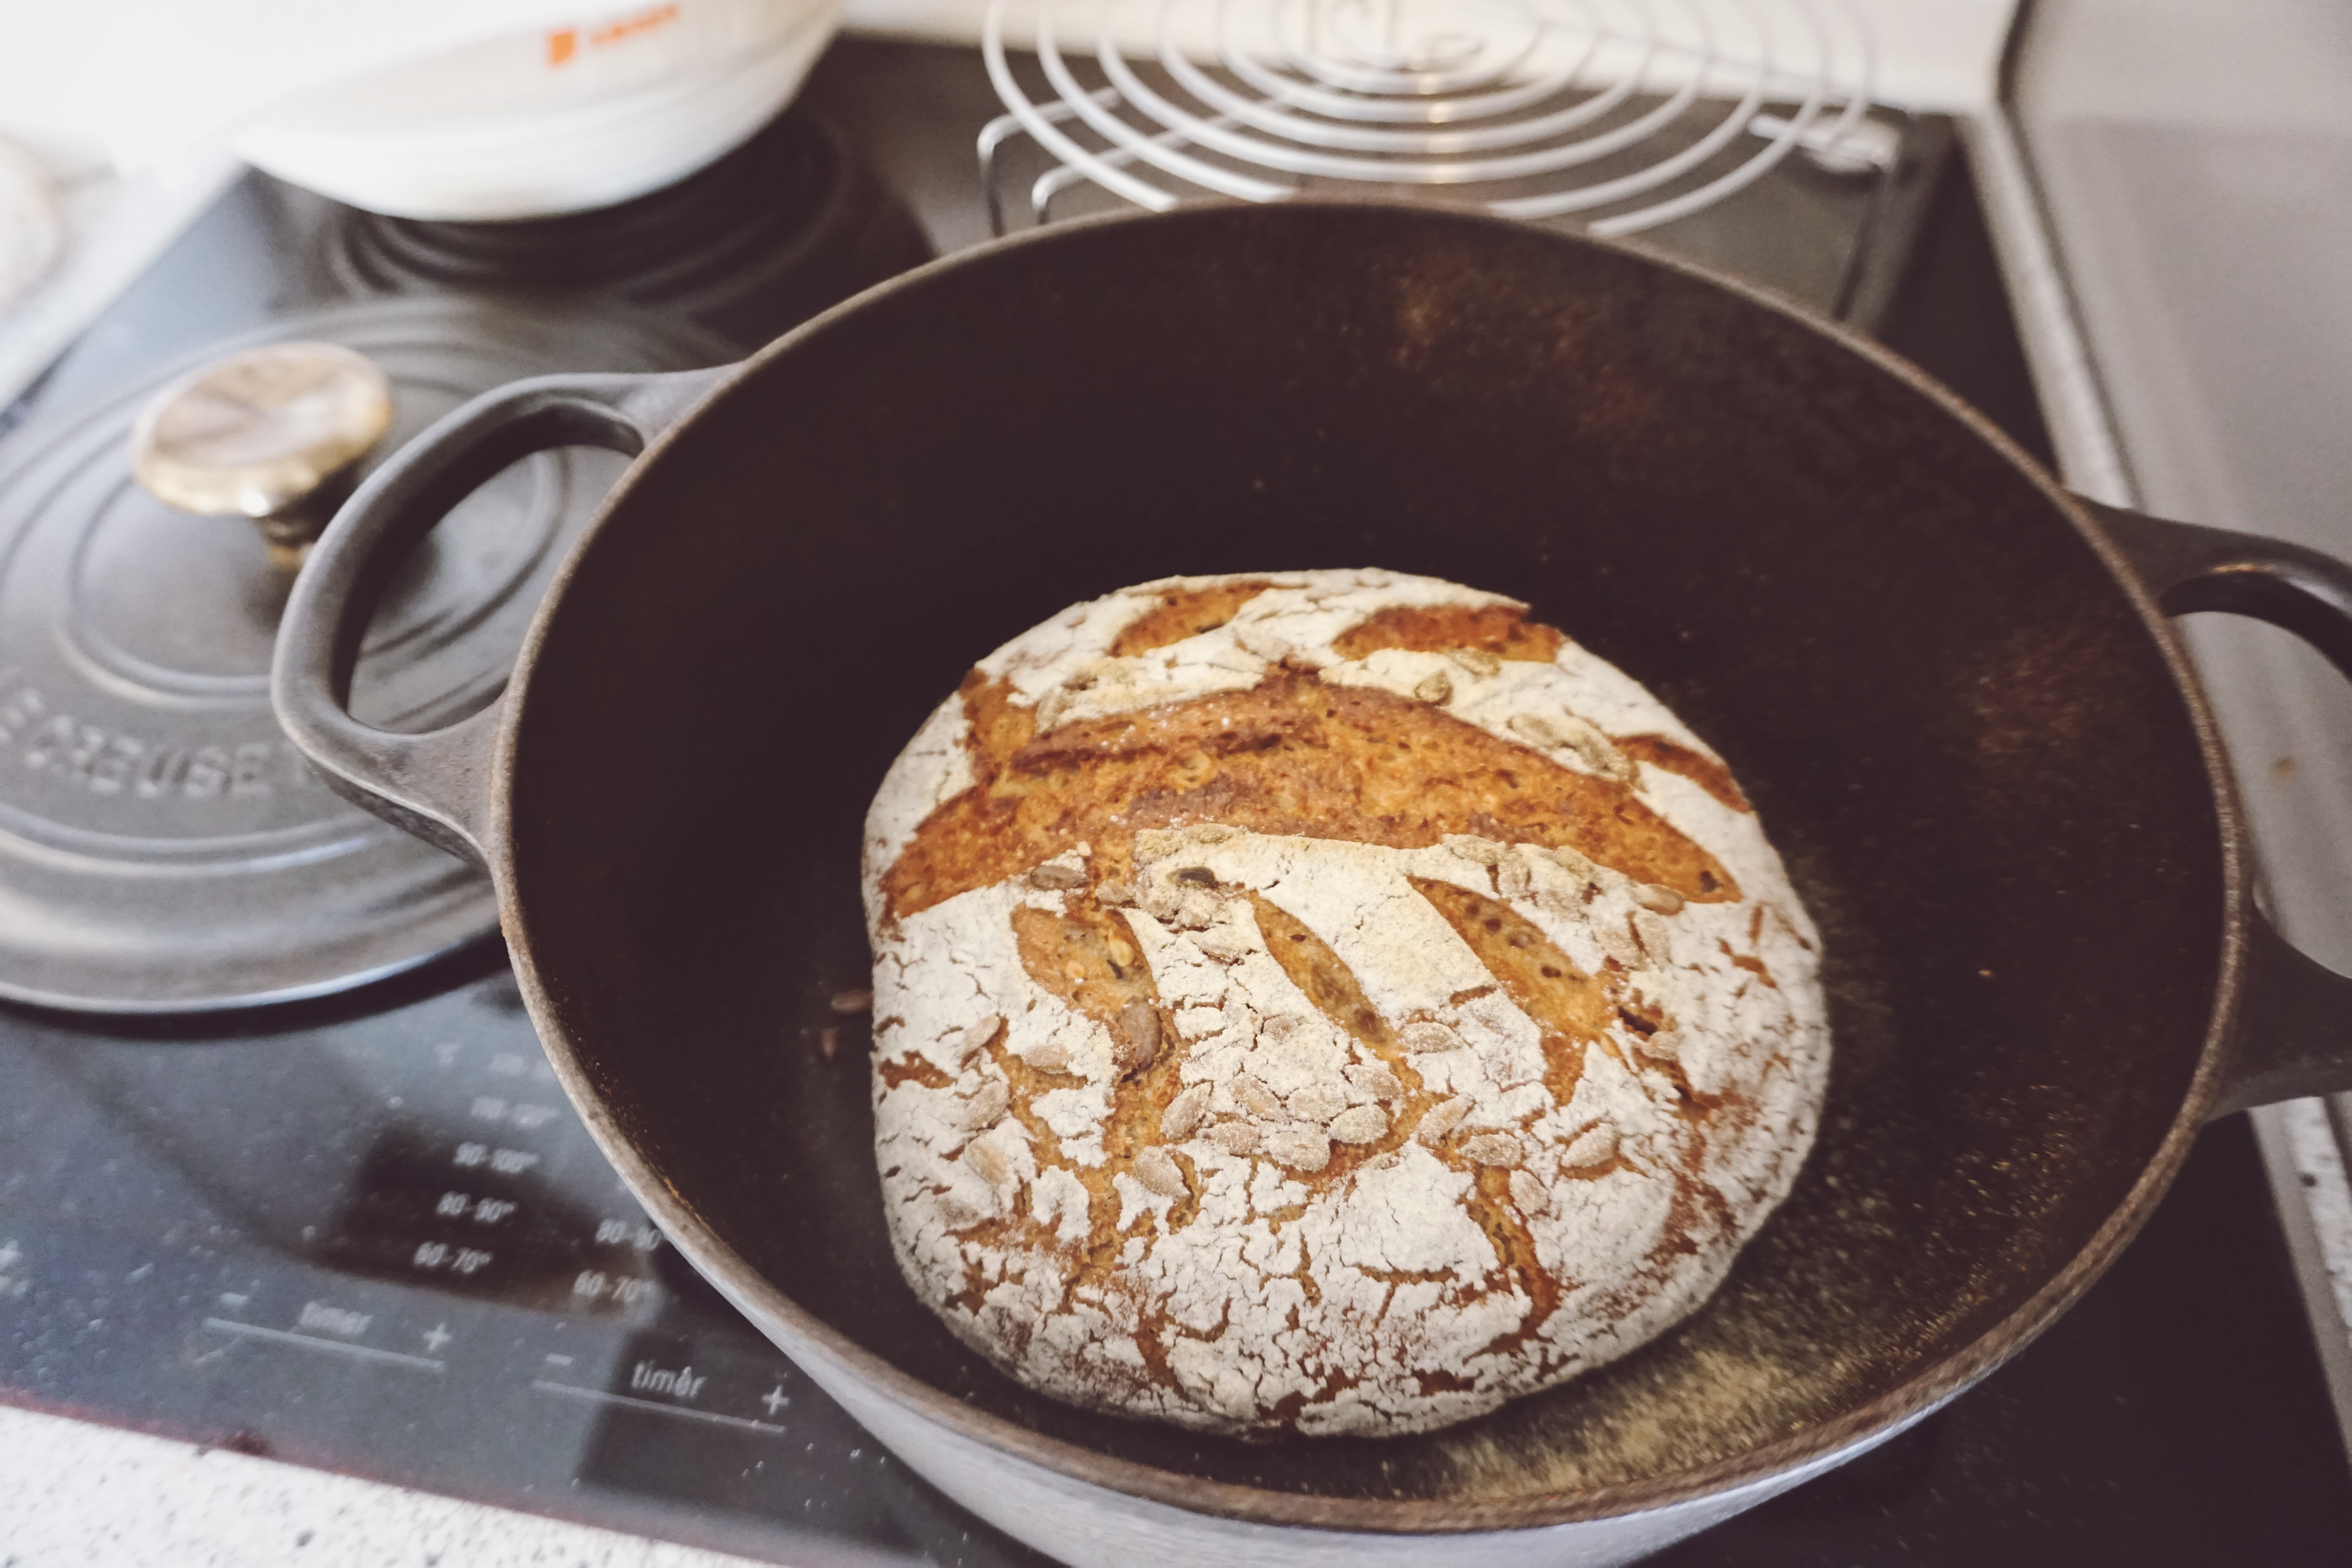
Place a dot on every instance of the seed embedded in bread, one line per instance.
(1441, 1119)
(1318, 1101)
(1328, 1003)
(987, 1106)
(1184, 1112)
(1157, 1169)
(1428, 1037)
(1256, 1098)
(1300, 1148)
(969, 1041)
(1138, 1036)
(1235, 1137)
(1659, 900)
(1597, 1145)
(1492, 1149)
(1528, 1192)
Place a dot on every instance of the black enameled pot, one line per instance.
(1949, 685)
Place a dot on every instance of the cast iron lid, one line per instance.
(162, 846)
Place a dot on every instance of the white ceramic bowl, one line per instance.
(558, 120)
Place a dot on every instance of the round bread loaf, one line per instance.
(1324, 1001)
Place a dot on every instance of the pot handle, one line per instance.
(2294, 1032)
(437, 784)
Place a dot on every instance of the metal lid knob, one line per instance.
(274, 434)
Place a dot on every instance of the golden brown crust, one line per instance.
(1185, 613)
(1503, 630)
(1573, 1009)
(1291, 756)
(1320, 975)
(1696, 767)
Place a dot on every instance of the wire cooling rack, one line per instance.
(1614, 115)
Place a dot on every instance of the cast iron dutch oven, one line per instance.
(1949, 685)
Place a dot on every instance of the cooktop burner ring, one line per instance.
(784, 225)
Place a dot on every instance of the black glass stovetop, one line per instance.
(367, 1233)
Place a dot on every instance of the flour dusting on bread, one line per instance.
(1325, 1002)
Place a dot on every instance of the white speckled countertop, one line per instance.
(78, 1496)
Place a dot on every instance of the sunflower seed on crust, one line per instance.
(1572, 861)
(1300, 1148)
(1527, 1191)
(1538, 729)
(1158, 1171)
(1318, 1102)
(1597, 751)
(995, 1167)
(1427, 1035)
(1492, 1149)
(1256, 1098)
(963, 1046)
(1054, 1055)
(1441, 1119)
(1656, 900)
(1184, 1112)
(1138, 1036)
(1235, 1137)
(987, 1106)
(1596, 1145)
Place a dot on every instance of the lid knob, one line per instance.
(274, 434)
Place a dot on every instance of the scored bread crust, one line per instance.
(1324, 1001)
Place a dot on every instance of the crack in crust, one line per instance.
(1309, 1013)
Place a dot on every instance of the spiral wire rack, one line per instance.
(1613, 115)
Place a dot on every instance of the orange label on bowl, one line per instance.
(563, 43)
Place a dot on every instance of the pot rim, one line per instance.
(1935, 1384)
